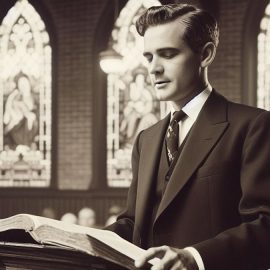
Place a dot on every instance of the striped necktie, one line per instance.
(172, 135)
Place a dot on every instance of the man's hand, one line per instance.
(170, 258)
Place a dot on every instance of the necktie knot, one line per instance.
(178, 116)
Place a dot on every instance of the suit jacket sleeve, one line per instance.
(252, 238)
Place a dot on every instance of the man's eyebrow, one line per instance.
(168, 49)
(162, 50)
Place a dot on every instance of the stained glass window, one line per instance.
(263, 81)
(25, 98)
(132, 104)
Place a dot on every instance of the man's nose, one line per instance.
(156, 67)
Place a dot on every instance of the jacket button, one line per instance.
(167, 177)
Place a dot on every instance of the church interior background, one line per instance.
(67, 127)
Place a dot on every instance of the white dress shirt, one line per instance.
(192, 110)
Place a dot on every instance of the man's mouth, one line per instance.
(161, 83)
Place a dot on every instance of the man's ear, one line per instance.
(208, 54)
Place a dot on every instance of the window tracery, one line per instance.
(132, 104)
(263, 68)
(25, 97)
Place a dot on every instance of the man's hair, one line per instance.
(201, 26)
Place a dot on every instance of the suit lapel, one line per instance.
(205, 133)
(149, 162)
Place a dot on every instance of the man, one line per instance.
(206, 205)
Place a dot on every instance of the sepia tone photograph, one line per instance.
(134, 134)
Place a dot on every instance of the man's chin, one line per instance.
(162, 97)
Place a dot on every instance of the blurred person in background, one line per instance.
(69, 218)
(87, 217)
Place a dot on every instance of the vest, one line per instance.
(162, 179)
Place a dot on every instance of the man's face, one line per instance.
(173, 67)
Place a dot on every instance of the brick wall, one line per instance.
(75, 24)
(226, 71)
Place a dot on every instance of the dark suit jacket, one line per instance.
(218, 197)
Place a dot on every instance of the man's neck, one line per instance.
(179, 105)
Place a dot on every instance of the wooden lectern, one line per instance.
(18, 256)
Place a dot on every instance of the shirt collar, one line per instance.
(194, 106)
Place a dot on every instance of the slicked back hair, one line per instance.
(200, 26)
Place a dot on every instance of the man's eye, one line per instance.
(168, 55)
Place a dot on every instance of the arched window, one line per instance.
(132, 105)
(255, 43)
(25, 98)
(263, 78)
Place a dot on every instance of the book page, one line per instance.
(116, 242)
(20, 221)
(109, 238)
(39, 221)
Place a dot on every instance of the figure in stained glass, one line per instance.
(20, 115)
(25, 98)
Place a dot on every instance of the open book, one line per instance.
(96, 242)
